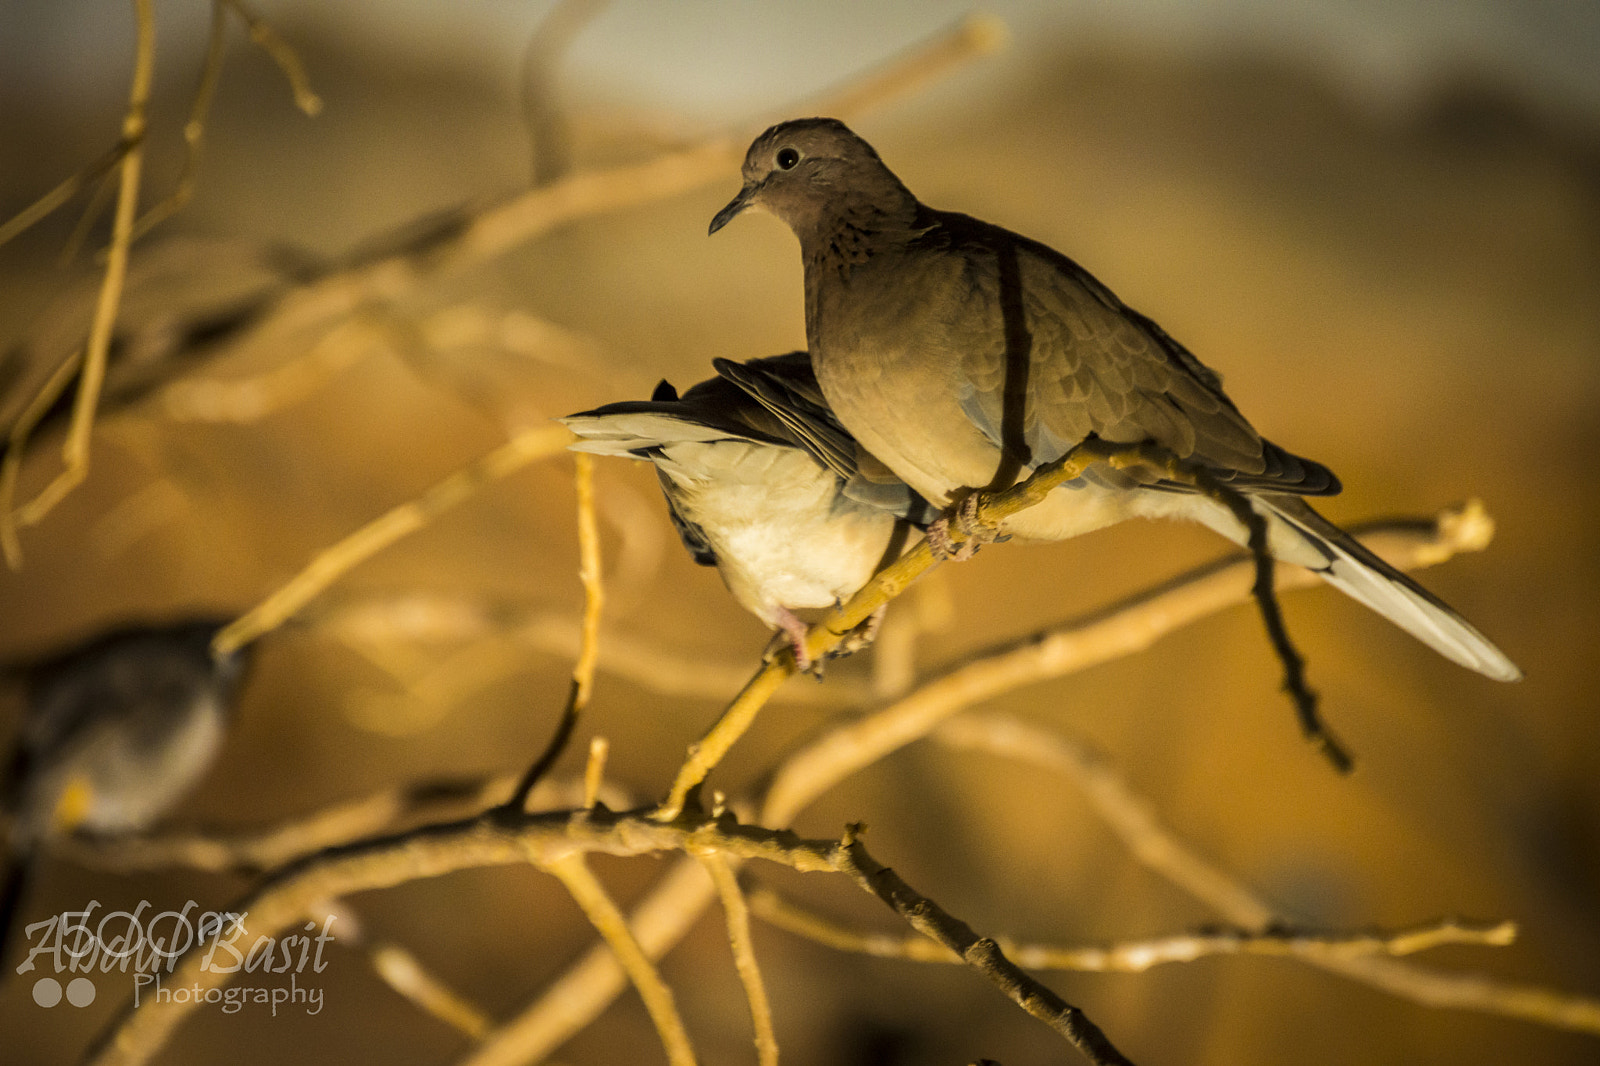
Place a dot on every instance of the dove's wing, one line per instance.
(787, 387)
(1096, 366)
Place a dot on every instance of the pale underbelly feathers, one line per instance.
(782, 533)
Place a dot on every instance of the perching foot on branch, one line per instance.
(975, 532)
(862, 636)
(791, 634)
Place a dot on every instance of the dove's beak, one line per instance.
(737, 204)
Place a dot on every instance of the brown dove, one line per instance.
(964, 356)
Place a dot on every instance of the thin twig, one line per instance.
(402, 971)
(136, 515)
(993, 508)
(1163, 851)
(194, 130)
(332, 563)
(1122, 628)
(931, 920)
(737, 915)
(590, 574)
(1128, 815)
(594, 770)
(342, 823)
(594, 598)
(590, 895)
(639, 659)
(1470, 992)
(1135, 956)
(262, 33)
(75, 450)
(578, 996)
(17, 440)
(91, 214)
(250, 399)
(978, 34)
(44, 205)
(1294, 665)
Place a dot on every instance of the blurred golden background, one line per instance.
(1385, 234)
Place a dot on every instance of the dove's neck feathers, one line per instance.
(849, 243)
(843, 229)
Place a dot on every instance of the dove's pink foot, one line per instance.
(792, 632)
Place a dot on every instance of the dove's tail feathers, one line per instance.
(1353, 569)
(629, 433)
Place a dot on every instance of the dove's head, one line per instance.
(813, 171)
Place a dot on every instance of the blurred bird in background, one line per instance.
(114, 732)
(763, 483)
(965, 356)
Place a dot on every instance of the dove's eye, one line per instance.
(787, 158)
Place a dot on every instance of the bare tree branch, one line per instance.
(75, 451)
(1122, 628)
(594, 770)
(262, 34)
(636, 658)
(1164, 852)
(402, 971)
(552, 841)
(931, 920)
(194, 131)
(572, 871)
(331, 563)
(1135, 956)
(17, 440)
(588, 648)
(737, 915)
(343, 823)
(578, 997)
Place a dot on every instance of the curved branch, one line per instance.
(929, 919)
(556, 842)
(542, 840)
(1136, 956)
(1164, 852)
(736, 915)
(331, 563)
(1122, 628)
(573, 872)
(342, 823)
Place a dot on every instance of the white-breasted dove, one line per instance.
(763, 483)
